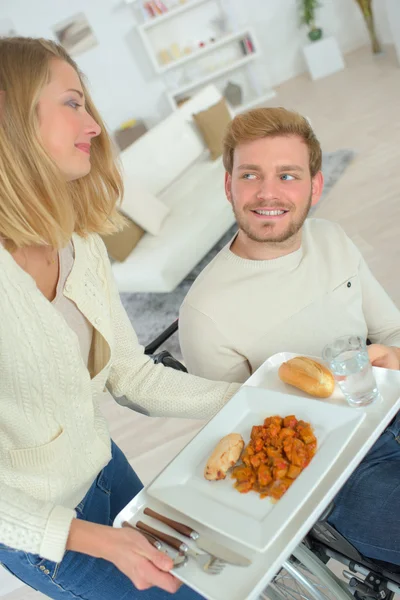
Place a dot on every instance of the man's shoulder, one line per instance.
(328, 242)
(323, 227)
(328, 234)
(212, 279)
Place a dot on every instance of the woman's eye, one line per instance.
(73, 104)
(286, 177)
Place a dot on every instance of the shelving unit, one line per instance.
(226, 39)
(213, 75)
(188, 5)
(209, 57)
(257, 101)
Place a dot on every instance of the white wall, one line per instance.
(277, 26)
(122, 88)
(393, 23)
(121, 79)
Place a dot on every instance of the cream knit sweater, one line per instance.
(53, 437)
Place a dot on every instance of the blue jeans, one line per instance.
(367, 508)
(81, 576)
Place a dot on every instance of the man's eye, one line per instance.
(286, 177)
(248, 176)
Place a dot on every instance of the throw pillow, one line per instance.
(212, 124)
(142, 206)
(120, 244)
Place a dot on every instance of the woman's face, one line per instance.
(65, 126)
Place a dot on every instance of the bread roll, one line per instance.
(307, 375)
(226, 454)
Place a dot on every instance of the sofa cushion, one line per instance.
(159, 156)
(212, 124)
(199, 215)
(142, 206)
(120, 244)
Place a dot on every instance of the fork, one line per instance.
(207, 562)
(180, 559)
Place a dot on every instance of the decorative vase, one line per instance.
(367, 12)
(233, 93)
(315, 34)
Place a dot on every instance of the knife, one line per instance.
(150, 538)
(179, 560)
(203, 542)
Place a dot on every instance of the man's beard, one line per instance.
(267, 234)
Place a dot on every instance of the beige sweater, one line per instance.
(240, 312)
(53, 437)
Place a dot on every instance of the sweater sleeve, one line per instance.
(33, 526)
(381, 314)
(161, 391)
(206, 350)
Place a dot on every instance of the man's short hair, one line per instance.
(270, 122)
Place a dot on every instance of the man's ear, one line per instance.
(317, 185)
(228, 187)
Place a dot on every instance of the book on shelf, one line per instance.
(154, 8)
(247, 45)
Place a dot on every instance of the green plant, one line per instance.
(366, 9)
(307, 9)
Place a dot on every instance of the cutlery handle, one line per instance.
(168, 539)
(179, 527)
(150, 538)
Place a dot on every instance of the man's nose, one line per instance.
(268, 189)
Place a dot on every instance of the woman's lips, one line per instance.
(84, 147)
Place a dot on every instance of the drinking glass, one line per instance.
(348, 360)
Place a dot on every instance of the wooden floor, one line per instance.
(358, 108)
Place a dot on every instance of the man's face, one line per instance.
(271, 189)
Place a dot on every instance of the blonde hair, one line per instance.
(270, 122)
(37, 205)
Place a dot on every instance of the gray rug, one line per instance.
(152, 313)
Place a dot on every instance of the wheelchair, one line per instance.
(306, 574)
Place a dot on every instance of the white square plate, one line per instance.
(246, 518)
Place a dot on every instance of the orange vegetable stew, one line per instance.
(276, 454)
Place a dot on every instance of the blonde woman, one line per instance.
(65, 340)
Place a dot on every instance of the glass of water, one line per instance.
(348, 360)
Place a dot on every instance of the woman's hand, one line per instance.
(128, 550)
(386, 357)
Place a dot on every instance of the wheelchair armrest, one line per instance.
(163, 337)
(327, 512)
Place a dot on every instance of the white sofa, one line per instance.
(172, 162)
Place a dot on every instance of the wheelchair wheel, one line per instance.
(304, 577)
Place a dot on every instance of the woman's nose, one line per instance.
(92, 128)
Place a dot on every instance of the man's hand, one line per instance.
(386, 357)
(128, 550)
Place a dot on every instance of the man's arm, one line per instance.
(206, 350)
(383, 321)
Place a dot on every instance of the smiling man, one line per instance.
(288, 283)
(285, 282)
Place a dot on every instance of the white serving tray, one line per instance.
(237, 583)
(247, 518)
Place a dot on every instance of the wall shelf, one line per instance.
(183, 51)
(174, 12)
(214, 75)
(219, 43)
(257, 101)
